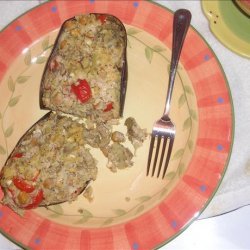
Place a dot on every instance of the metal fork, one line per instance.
(164, 129)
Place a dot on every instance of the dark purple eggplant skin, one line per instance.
(56, 203)
(14, 149)
(41, 119)
(60, 202)
(46, 116)
(124, 69)
(12, 152)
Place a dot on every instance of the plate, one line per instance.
(231, 32)
(129, 211)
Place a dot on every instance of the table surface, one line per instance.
(227, 231)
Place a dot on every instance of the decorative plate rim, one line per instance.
(232, 141)
(232, 130)
(231, 146)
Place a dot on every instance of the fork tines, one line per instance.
(161, 145)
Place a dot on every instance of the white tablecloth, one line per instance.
(234, 191)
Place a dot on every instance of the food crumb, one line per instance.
(127, 199)
(136, 135)
(80, 210)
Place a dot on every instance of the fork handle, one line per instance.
(182, 18)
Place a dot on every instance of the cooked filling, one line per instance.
(49, 165)
(98, 137)
(84, 76)
(52, 162)
(119, 157)
(110, 143)
(135, 134)
(117, 136)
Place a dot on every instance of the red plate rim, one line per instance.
(212, 153)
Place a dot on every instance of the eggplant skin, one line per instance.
(52, 158)
(87, 48)
(85, 76)
(43, 204)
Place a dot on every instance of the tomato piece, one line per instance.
(22, 185)
(108, 107)
(18, 155)
(82, 90)
(102, 18)
(36, 200)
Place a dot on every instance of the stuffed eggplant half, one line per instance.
(86, 74)
(49, 165)
(85, 77)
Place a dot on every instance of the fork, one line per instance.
(164, 129)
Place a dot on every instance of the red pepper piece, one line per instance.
(18, 155)
(102, 18)
(22, 185)
(36, 200)
(82, 90)
(108, 107)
